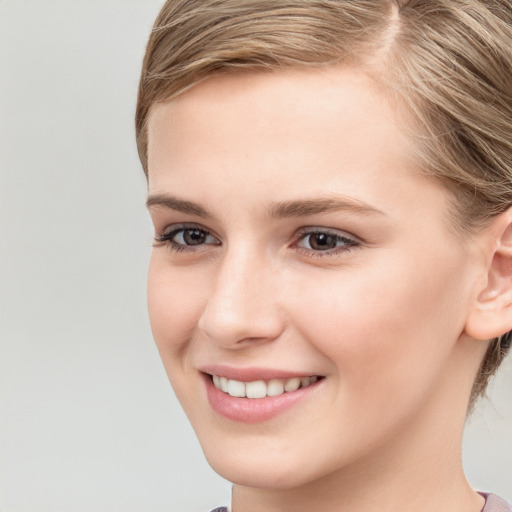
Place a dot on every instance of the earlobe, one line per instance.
(491, 313)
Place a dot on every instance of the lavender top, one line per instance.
(493, 503)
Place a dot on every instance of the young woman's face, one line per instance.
(296, 243)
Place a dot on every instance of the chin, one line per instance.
(278, 467)
(262, 473)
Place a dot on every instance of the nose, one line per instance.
(242, 306)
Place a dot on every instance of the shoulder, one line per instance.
(494, 503)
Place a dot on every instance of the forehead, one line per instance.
(278, 134)
(286, 98)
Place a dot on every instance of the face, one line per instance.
(304, 266)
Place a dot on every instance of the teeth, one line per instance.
(236, 388)
(305, 382)
(260, 388)
(292, 384)
(256, 389)
(275, 387)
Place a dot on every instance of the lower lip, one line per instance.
(254, 410)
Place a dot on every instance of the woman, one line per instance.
(330, 289)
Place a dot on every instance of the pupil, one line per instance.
(322, 241)
(194, 236)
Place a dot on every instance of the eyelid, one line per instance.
(172, 228)
(331, 231)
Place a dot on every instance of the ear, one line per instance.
(491, 312)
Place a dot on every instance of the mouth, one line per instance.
(261, 388)
(255, 395)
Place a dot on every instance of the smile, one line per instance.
(256, 395)
(261, 388)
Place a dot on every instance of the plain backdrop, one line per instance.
(88, 422)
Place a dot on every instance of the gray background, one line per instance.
(88, 422)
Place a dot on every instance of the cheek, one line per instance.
(175, 299)
(388, 329)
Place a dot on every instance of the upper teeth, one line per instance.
(260, 388)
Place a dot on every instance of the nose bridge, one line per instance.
(242, 302)
(238, 270)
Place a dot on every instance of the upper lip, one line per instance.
(253, 373)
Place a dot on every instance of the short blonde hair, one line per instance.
(448, 62)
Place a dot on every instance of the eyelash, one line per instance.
(167, 237)
(348, 243)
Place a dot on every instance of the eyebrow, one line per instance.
(298, 208)
(179, 205)
(321, 205)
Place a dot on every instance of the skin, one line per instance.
(383, 318)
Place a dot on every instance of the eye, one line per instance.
(186, 238)
(192, 236)
(325, 241)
